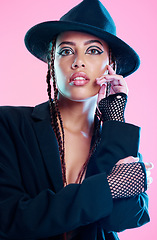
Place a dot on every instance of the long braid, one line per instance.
(55, 114)
(97, 138)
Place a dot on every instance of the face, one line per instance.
(80, 58)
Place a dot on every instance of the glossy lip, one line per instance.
(79, 79)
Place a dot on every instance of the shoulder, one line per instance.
(13, 112)
(21, 113)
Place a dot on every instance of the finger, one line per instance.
(128, 160)
(118, 84)
(102, 92)
(102, 78)
(115, 79)
(101, 81)
(110, 69)
(148, 173)
(149, 165)
(118, 89)
(149, 180)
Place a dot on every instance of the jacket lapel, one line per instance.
(48, 144)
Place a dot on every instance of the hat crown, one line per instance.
(89, 16)
(93, 13)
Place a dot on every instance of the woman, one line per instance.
(66, 170)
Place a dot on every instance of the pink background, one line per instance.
(22, 76)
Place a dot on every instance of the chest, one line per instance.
(77, 147)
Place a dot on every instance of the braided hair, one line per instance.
(56, 120)
(57, 123)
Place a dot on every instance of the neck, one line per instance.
(78, 116)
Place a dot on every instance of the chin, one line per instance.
(82, 99)
(78, 96)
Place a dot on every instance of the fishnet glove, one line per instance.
(112, 107)
(127, 180)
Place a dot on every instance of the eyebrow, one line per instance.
(93, 41)
(86, 43)
(67, 42)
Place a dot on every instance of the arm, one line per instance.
(120, 140)
(127, 213)
(43, 213)
(48, 213)
(123, 141)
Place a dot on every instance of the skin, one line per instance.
(79, 56)
(78, 52)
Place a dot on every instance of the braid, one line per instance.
(55, 114)
(97, 138)
(48, 77)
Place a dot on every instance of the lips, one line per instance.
(79, 79)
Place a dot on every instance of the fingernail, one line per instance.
(151, 165)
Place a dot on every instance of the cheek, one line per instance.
(61, 76)
(58, 68)
(103, 66)
(99, 67)
(59, 72)
(62, 67)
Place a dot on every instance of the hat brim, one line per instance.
(39, 37)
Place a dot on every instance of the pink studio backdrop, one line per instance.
(22, 76)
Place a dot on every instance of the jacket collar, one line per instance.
(41, 111)
(48, 144)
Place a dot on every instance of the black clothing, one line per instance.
(33, 203)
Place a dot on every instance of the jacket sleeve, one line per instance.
(126, 214)
(120, 140)
(48, 213)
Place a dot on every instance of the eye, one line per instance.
(66, 52)
(94, 50)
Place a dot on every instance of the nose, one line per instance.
(78, 63)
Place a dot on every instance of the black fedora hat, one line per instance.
(89, 16)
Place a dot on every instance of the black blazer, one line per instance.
(34, 204)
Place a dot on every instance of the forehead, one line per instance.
(78, 37)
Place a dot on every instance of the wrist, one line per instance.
(112, 107)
